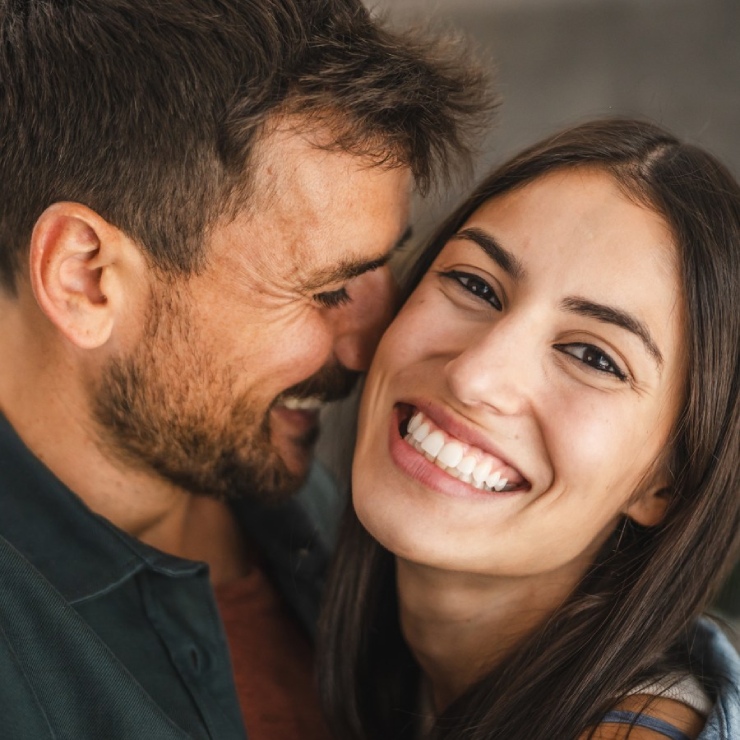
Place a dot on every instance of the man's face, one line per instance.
(222, 391)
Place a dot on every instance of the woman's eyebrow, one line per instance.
(508, 262)
(618, 317)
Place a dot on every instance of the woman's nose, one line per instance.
(496, 367)
(362, 322)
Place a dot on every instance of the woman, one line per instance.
(547, 461)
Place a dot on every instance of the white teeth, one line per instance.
(421, 432)
(495, 482)
(493, 479)
(302, 404)
(448, 455)
(433, 443)
(451, 454)
(467, 465)
(415, 423)
(482, 469)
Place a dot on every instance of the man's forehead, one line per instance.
(297, 162)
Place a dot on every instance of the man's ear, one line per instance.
(78, 266)
(649, 504)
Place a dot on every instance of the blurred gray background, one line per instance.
(676, 62)
(556, 62)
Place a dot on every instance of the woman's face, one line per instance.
(539, 368)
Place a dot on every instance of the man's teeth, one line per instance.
(460, 461)
(302, 404)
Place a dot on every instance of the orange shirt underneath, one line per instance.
(273, 662)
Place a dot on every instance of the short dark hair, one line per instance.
(147, 112)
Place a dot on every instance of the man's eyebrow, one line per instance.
(348, 269)
(618, 317)
(508, 262)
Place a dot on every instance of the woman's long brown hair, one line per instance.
(631, 617)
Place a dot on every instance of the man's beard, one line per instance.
(168, 407)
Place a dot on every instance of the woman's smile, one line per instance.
(422, 444)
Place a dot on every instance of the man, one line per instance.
(199, 200)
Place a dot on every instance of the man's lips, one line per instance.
(295, 412)
(309, 403)
(294, 421)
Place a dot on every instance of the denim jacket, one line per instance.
(719, 662)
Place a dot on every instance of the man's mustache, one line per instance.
(331, 383)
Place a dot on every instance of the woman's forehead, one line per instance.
(577, 212)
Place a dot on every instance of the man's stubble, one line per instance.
(168, 406)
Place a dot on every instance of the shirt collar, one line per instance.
(80, 553)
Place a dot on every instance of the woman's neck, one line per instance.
(459, 625)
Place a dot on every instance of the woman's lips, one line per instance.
(438, 460)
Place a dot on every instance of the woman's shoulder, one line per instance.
(703, 706)
(643, 717)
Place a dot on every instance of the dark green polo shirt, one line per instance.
(103, 637)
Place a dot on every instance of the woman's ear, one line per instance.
(649, 503)
(649, 509)
(78, 266)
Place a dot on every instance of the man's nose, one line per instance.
(496, 368)
(361, 323)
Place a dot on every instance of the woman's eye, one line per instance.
(333, 298)
(474, 285)
(593, 357)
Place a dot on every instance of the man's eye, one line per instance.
(333, 298)
(593, 357)
(474, 285)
